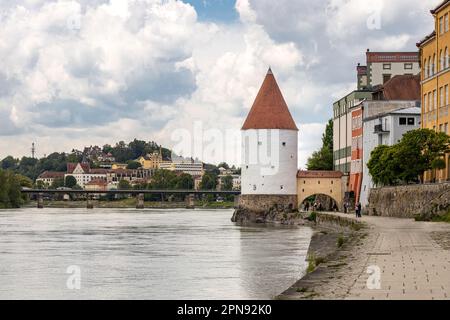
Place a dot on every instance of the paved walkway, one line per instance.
(413, 259)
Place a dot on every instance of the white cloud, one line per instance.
(79, 72)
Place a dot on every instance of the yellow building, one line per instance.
(117, 166)
(151, 161)
(435, 76)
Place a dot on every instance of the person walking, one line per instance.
(345, 207)
(358, 210)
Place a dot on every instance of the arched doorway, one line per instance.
(319, 202)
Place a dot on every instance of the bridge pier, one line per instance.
(40, 201)
(140, 201)
(190, 201)
(90, 203)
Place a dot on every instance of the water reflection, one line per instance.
(145, 254)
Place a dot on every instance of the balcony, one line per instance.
(378, 129)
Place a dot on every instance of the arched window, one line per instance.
(434, 64)
(429, 67)
(425, 68)
(446, 58)
(441, 61)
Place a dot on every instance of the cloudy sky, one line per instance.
(85, 72)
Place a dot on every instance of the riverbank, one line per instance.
(130, 203)
(412, 259)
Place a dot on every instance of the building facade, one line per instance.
(384, 128)
(47, 178)
(184, 165)
(435, 63)
(269, 151)
(381, 68)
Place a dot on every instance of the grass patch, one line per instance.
(302, 290)
(314, 262)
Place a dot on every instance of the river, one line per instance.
(145, 254)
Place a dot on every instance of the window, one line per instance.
(386, 78)
(441, 128)
(446, 22)
(425, 68)
(434, 65)
(402, 121)
(386, 66)
(408, 66)
(284, 144)
(441, 61)
(425, 102)
(441, 25)
(441, 96)
(446, 127)
(430, 102)
(281, 187)
(411, 121)
(434, 99)
(446, 58)
(446, 94)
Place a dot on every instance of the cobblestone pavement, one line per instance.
(413, 260)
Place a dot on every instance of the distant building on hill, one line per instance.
(184, 165)
(49, 177)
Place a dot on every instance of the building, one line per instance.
(48, 177)
(83, 173)
(135, 176)
(270, 152)
(435, 63)
(401, 92)
(97, 185)
(380, 70)
(329, 183)
(236, 181)
(183, 165)
(384, 129)
(152, 161)
(117, 166)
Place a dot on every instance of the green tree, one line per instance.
(10, 190)
(184, 182)
(223, 165)
(70, 182)
(24, 181)
(9, 163)
(163, 180)
(417, 152)
(209, 181)
(124, 185)
(57, 183)
(227, 183)
(133, 165)
(323, 158)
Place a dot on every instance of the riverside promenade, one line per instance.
(413, 259)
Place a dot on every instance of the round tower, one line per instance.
(269, 152)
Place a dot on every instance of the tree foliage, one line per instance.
(227, 183)
(323, 158)
(70, 182)
(10, 187)
(418, 151)
(209, 181)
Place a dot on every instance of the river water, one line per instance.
(145, 254)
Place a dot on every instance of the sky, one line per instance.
(76, 73)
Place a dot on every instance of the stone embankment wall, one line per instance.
(425, 200)
(337, 222)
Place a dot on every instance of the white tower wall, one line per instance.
(270, 162)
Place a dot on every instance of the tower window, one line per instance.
(281, 187)
(254, 187)
(284, 144)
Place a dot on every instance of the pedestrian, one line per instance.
(345, 207)
(359, 210)
(356, 211)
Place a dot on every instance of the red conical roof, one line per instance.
(269, 111)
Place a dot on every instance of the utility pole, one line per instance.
(33, 150)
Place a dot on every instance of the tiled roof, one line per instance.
(402, 87)
(269, 111)
(71, 167)
(97, 182)
(392, 57)
(51, 175)
(440, 6)
(428, 37)
(319, 174)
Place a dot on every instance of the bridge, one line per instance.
(190, 194)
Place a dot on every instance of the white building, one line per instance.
(269, 150)
(184, 165)
(84, 174)
(384, 129)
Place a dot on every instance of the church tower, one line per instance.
(269, 152)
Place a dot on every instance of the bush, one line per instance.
(312, 216)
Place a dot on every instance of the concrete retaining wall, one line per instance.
(409, 201)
